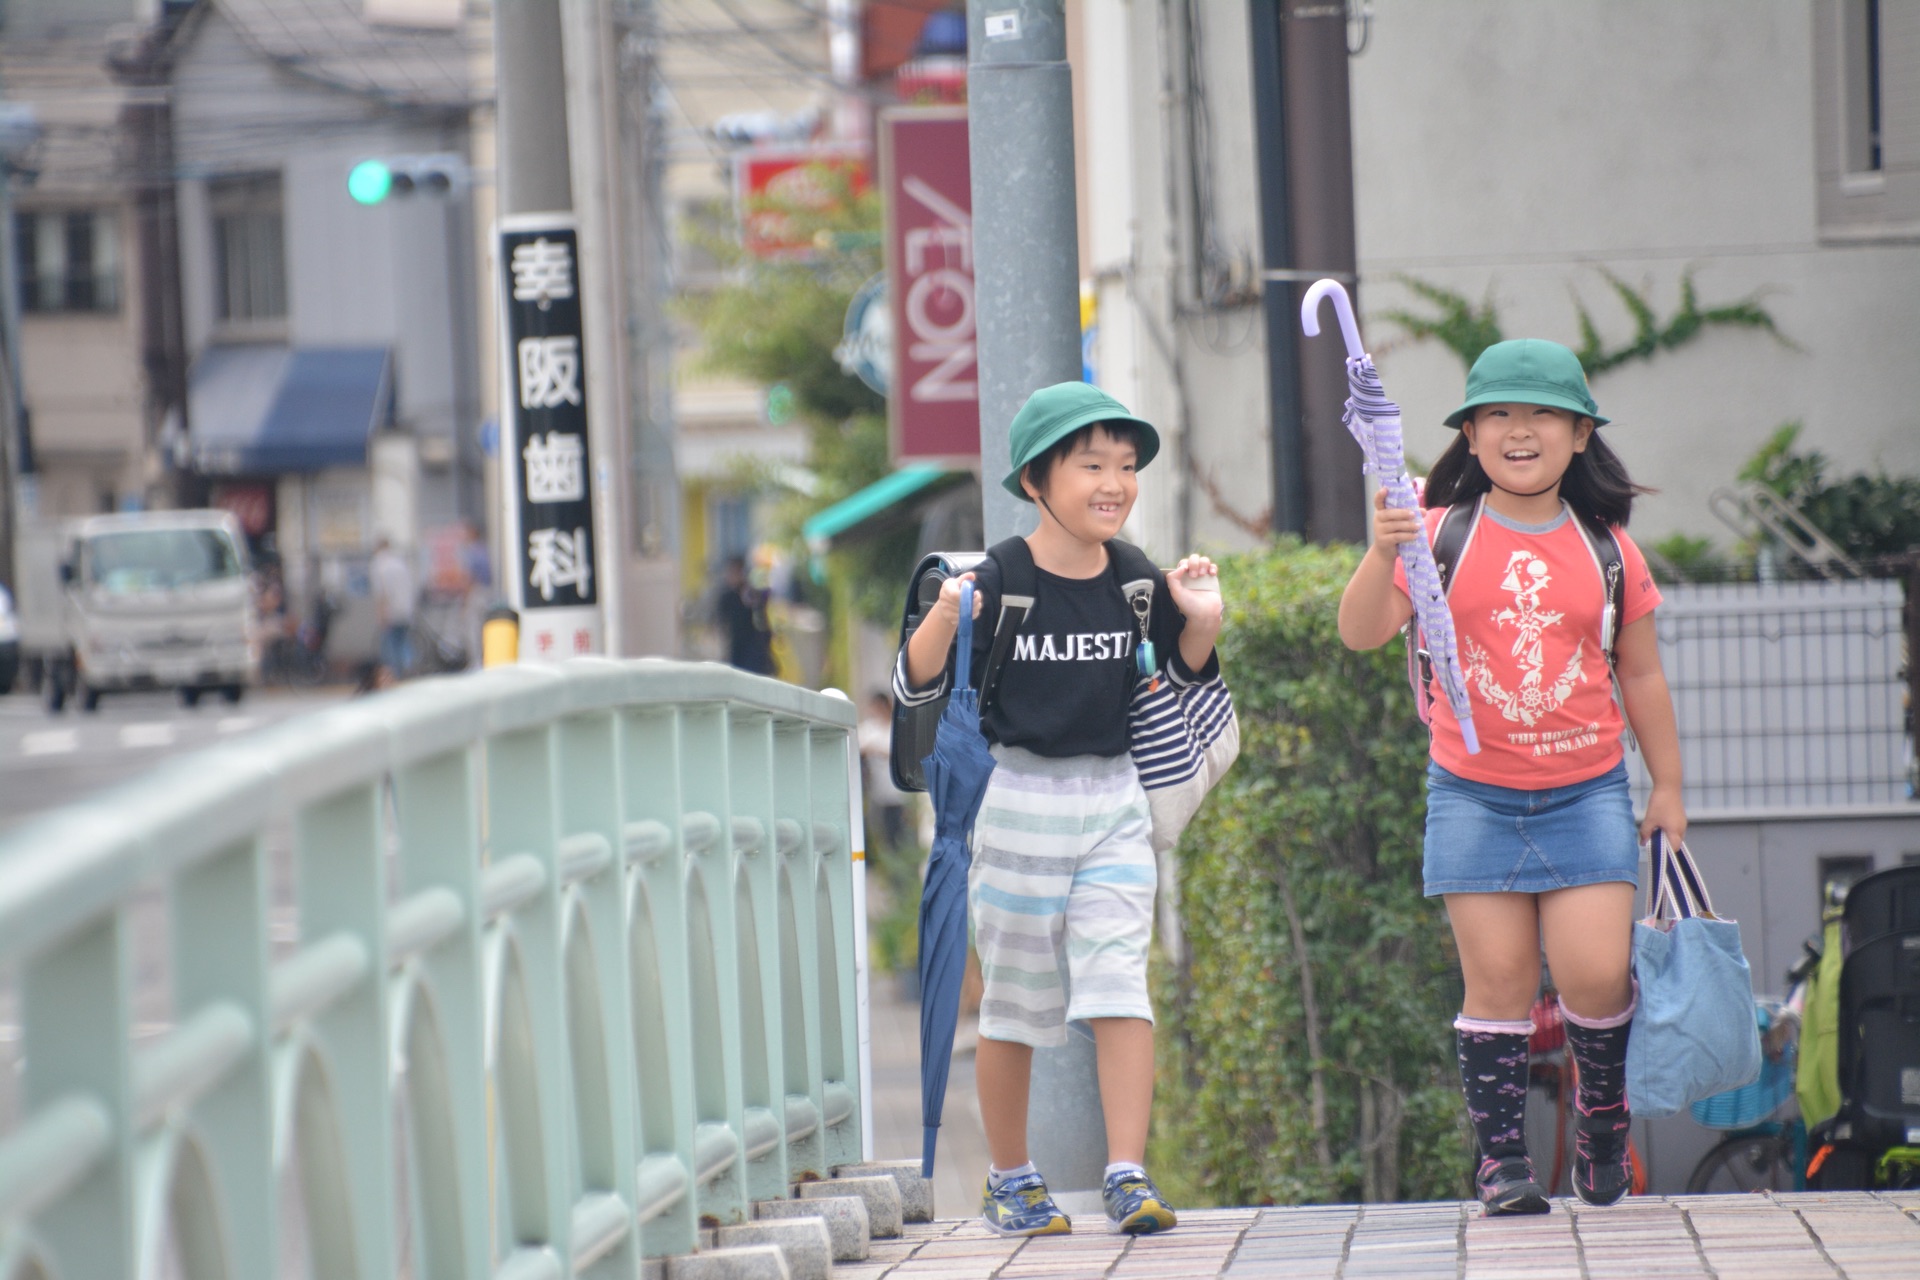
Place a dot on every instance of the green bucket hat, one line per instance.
(1528, 371)
(1053, 413)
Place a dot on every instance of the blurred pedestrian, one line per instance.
(390, 579)
(740, 609)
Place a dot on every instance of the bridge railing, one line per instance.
(577, 943)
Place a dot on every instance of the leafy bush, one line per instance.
(1306, 1045)
(1868, 515)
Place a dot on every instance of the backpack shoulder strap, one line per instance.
(1019, 581)
(1609, 560)
(1453, 537)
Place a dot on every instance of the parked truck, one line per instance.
(153, 600)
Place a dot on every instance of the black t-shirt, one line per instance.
(1069, 678)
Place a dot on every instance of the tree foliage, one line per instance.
(1307, 1054)
(777, 321)
(1868, 515)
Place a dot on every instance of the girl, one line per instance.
(1533, 839)
(1063, 872)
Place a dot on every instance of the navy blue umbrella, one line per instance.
(957, 773)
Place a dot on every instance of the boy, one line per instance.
(1062, 864)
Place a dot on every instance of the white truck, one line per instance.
(153, 600)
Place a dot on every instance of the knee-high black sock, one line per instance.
(1493, 1075)
(1600, 1048)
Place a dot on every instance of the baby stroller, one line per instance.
(1873, 1140)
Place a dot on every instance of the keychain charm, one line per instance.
(1145, 661)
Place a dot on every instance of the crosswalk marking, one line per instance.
(50, 742)
(236, 724)
(159, 734)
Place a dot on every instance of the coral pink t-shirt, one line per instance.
(1526, 603)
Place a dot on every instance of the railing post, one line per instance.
(650, 783)
(443, 1038)
(750, 770)
(339, 841)
(74, 1004)
(220, 954)
(842, 1063)
(795, 929)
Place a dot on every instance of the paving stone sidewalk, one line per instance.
(1851, 1236)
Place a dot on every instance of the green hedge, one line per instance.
(1305, 926)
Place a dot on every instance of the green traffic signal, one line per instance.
(370, 182)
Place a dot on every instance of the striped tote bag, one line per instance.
(1184, 738)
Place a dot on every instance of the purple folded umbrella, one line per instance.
(1374, 421)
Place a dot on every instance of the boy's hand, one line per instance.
(947, 607)
(1194, 584)
(1392, 526)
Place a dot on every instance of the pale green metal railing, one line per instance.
(579, 939)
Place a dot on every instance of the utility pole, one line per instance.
(557, 561)
(1027, 316)
(19, 129)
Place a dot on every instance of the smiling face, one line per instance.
(1091, 489)
(1525, 448)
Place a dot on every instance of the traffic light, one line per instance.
(392, 177)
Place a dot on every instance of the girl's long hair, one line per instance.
(1596, 484)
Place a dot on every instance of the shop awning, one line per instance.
(875, 505)
(265, 409)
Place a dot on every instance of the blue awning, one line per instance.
(264, 409)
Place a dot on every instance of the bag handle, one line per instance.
(963, 642)
(1680, 891)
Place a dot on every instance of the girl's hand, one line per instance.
(947, 608)
(1392, 526)
(1194, 584)
(1665, 812)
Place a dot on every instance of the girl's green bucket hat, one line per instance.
(1053, 413)
(1528, 371)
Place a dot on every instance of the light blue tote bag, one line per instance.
(1694, 1033)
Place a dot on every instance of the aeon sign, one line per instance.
(934, 410)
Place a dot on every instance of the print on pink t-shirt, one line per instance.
(1526, 608)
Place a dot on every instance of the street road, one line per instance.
(47, 761)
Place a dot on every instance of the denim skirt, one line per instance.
(1487, 839)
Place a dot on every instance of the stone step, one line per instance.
(916, 1192)
(881, 1194)
(749, 1262)
(845, 1217)
(806, 1242)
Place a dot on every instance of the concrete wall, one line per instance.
(1199, 376)
(1513, 150)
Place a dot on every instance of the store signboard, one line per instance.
(934, 408)
(552, 574)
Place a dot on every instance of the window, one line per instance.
(249, 249)
(69, 260)
(1860, 72)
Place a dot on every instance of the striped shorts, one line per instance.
(1063, 877)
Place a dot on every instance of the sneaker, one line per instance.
(1135, 1206)
(1507, 1187)
(1602, 1171)
(1021, 1207)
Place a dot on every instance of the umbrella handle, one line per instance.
(1342, 306)
(963, 642)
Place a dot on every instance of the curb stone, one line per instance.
(754, 1262)
(916, 1192)
(881, 1195)
(845, 1218)
(806, 1242)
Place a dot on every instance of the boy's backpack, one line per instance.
(1450, 543)
(1183, 738)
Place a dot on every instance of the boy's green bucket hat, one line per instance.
(1528, 371)
(1053, 413)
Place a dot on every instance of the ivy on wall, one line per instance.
(1466, 328)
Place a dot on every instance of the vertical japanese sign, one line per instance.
(551, 572)
(934, 409)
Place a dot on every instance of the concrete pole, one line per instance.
(588, 39)
(1027, 315)
(536, 173)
